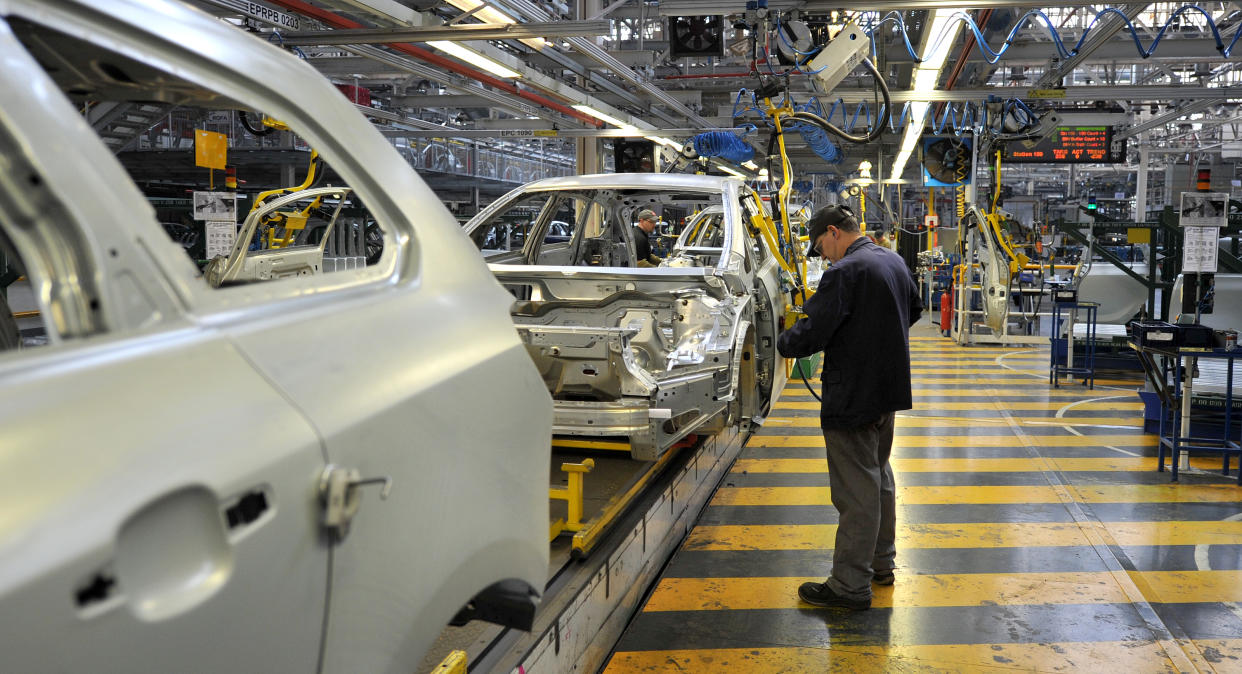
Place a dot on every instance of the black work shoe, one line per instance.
(883, 577)
(819, 594)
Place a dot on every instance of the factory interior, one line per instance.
(447, 336)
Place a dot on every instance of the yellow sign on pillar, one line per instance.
(210, 149)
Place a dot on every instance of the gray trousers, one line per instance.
(862, 492)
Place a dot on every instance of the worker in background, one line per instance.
(642, 241)
(860, 318)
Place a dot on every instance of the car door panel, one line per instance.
(125, 465)
(456, 416)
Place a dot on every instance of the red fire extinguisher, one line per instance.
(946, 311)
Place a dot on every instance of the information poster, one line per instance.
(1204, 209)
(215, 206)
(221, 234)
(1199, 247)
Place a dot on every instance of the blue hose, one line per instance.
(723, 144)
(1037, 17)
(816, 138)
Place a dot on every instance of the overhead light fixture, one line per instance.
(668, 142)
(864, 169)
(925, 78)
(474, 58)
(603, 117)
(730, 171)
(490, 14)
(763, 173)
(750, 165)
(487, 14)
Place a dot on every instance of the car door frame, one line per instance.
(169, 478)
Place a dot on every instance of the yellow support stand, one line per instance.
(571, 495)
(455, 663)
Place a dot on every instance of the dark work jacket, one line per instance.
(642, 245)
(860, 317)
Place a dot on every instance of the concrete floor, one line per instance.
(1034, 534)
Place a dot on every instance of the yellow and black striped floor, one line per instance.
(1034, 534)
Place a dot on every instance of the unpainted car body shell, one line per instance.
(162, 402)
(651, 354)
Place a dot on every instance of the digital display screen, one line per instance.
(1070, 145)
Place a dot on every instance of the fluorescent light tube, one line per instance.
(730, 171)
(493, 15)
(667, 142)
(942, 38)
(474, 58)
(603, 117)
(487, 14)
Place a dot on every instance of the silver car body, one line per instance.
(161, 403)
(648, 354)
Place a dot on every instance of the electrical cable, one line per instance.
(808, 383)
(877, 129)
(246, 124)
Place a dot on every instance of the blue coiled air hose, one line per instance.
(723, 144)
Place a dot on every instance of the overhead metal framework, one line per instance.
(600, 69)
(477, 31)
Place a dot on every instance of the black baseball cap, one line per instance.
(831, 215)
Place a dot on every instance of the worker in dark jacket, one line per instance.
(860, 318)
(642, 239)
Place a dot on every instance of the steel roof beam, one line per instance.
(549, 133)
(1092, 93)
(533, 12)
(1099, 35)
(1162, 119)
(709, 7)
(477, 31)
(568, 62)
(498, 99)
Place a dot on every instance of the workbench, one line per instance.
(1212, 372)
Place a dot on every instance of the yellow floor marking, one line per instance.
(967, 535)
(1157, 493)
(1175, 533)
(1229, 649)
(1186, 587)
(912, 591)
(982, 465)
(924, 355)
(1016, 406)
(952, 495)
(1132, 440)
(1035, 389)
(1009, 380)
(1132, 657)
(916, 421)
(968, 370)
(952, 348)
(923, 495)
